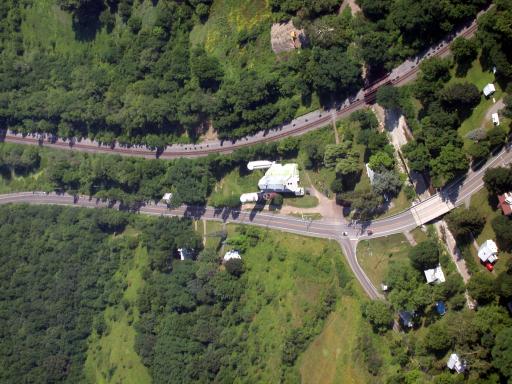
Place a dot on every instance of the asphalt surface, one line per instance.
(407, 220)
(403, 74)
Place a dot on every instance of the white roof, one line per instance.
(281, 178)
(455, 363)
(435, 275)
(259, 164)
(488, 251)
(489, 89)
(495, 119)
(232, 255)
(167, 196)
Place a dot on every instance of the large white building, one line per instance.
(488, 252)
(282, 178)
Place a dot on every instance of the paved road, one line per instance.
(403, 74)
(405, 221)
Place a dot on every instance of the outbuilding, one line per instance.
(455, 363)
(435, 275)
(167, 198)
(231, 255)
(489, 89)
(406, 319)
(505, 202)
(495, 119)
(186, 254)
(488, 252)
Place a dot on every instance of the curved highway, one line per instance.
(421, 213)
(401, 75)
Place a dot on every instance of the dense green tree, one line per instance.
(502, 352)
(425, 255)
(498, 180)
(333, 152)
(479, 150)
(482, 288)
(437, 339)
(460, 96)
(418, 156)
(381, 161)
(496, 136)
(389, 97)
(387, 183)
(206, 69)
(235, 267)
(503, 229)
(451, 161)
(465, 222)
(379, 315)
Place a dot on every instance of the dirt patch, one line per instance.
(354, 8)
(285, 37)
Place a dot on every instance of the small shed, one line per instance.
(489, 89)
(406, 319)
(231, 255)
(495, 119)
(167, 198)
(435, 275)
(455, 363)
(370, 173)
(488, 252)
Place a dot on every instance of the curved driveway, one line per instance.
(401, 75)
(429, 209)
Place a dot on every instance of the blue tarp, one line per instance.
(441, 308)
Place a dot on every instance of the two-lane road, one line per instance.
(421, 213)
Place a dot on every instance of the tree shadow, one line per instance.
(86, 21)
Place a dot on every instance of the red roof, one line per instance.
(505, 207)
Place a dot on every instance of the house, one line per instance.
(495, 119)
(440, 308)
(489, 89)
(488, 252)
(282, 178)
(231, 255)
(505, 203)
(186, 254)
(405, 318)
(435, 275)
(167, 198)
(456, 364)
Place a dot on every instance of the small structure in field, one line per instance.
(505, 202)
(282, 178)
(435, 275)
(231, 255)
(455, 363)
(167, 198)
(495, 119)
(489, 89)
(488, 252)
(405, 318)
(285, 37)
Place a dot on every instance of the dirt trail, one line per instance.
(354, 8)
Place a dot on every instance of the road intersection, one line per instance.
(451, 196)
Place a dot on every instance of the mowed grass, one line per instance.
(376, 255)
(237, 182)
(400, 203)
(111, 358)
(480, 78)
(306, 201)
(480, 203)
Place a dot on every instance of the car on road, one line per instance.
(369, 232)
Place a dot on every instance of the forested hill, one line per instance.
(155, 72)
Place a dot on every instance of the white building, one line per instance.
(489, 89)
(455, 363)
(495, 119)
(370, 173)
(488, 252)
(435, 275)
(279, 177)
(167, 198)
(231, 255)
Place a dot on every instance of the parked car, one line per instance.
(369, 232)
(489, 266)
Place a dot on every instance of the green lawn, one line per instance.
(236, 182)
(480, 203)
(374, 256)
(419, 235)
(306, 201)
(400, 203)
(111, 358)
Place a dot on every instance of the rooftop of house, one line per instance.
(505, 202)
(435, 275)
(488, 251)
(489, 89)
(455, 363)
(232, 255)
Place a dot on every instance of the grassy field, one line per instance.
(375, 256)
(286, 276)
(400, 203)
(480, 203)
(111, 358)
(306, 201)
